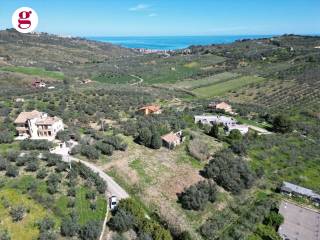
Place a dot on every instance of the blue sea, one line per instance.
(172, 42)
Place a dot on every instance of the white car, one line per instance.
(113, 202)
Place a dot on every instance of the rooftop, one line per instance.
(299, 223)
(24, 116)
(170, 137)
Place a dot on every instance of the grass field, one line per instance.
(27, 228)
(214, 79)
(34, 71)
(221, 88)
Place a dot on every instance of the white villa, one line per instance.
(229, 122)
(215, 119)
(38, 125)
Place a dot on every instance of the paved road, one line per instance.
(113, 188)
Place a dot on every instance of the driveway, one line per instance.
(113, 188)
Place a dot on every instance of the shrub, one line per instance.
(69, 227)
(156, 141)
(42, 173)
(4, 235)
(282, 124)
(3, 164)
(122, 221)
(144, 137)
(72, 192)
(90, 195)
(229, 171)
(52, 183)
(90, 231)
(90, 152)
(198, 149)
(214, 131)
(12, 156)
(6, 137)
(32, 166)
(75, 150)
(105, 148)
(35, 145)
(17, 213)
(197, 196)
(52, 159)
(12, 171)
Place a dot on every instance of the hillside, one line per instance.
(217, 184)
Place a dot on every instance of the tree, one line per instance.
(69, 227)
(46, 228)
(6, 137)
(144, 137)
(90, 231)
(274, 219)
(12, 171)
(214, 131)
(90, 152)
(122, 221)
(4, 235)
(12, 156)
(185, 236)
(3, 164)
(197, 196)
(17, 213)
(63, 136)
(32, 166)
(42, 173)
(156, 141)
(229, 171)
(235, 135)
(282, 124)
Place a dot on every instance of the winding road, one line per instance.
(113, 188)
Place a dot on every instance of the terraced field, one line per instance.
(223, 87)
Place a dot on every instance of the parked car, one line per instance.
(113, 202)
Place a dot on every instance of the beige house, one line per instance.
(221, 106)
(38, 125)
(151, 109)
(171, 140)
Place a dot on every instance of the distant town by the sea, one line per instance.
(172, 42)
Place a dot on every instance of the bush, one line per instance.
(63, 136)
(6, 137)
(32, 166)
(90, 195)
(52, 159)
(122, 221)
(17, 213)
(4, 235)
(229, 171)
(105, 148)
(52, 183)
(90, 231)
(156, 142)
(3, 164)
(69, 227)
(75, 150)
(214, 131)
(144, 137)
(198, 149)
(197, 196)
(61, 166)
(35, 145)
(282, 124)
(12, 156)
(12, 171)
(90, 152)
(42, 173)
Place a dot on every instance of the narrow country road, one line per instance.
(113, 188)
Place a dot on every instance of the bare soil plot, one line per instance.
(157, 176)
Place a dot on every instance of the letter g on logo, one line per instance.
(25, 20)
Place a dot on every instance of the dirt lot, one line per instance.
(157, 176)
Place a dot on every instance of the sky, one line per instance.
(169, 17)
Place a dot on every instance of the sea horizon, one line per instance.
(171, 42)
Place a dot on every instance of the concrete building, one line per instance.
(244, 129)
(38, 125)
(292, 189)
(215, 119)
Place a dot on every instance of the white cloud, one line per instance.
(139, 7)
(153, 14)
